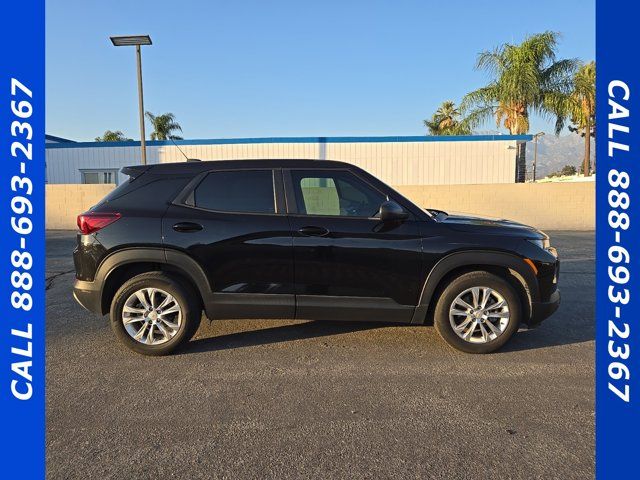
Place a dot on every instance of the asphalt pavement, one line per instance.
(284, 399)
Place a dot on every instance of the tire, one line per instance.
(164, 330)
(484, 338)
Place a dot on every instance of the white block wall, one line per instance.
(428, 161)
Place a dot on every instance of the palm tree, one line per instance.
(526, 78)
(581, 108)
(109, 136)
(163, 126)
(446, 121)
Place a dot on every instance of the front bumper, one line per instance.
(543, 310)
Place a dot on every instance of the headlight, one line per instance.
(542, 243)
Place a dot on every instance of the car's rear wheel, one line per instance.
(478, 312)
(153, 314)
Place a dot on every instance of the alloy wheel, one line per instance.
(151, 316)
(479, 315)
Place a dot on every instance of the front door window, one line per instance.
(335, 193)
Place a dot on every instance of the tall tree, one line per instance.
(447, 121)
(163, 126)
(525, 78)
(581, 108)
(109, 136)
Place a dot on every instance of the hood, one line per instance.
(486, 225)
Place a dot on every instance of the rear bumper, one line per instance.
(88, 296)
(543, 310)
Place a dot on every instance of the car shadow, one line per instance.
(572, 323)
(549, 335)
(277, 334)
(552, 333)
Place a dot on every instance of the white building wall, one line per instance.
(429, 162)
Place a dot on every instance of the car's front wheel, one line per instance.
(152, 314)
(478, 312)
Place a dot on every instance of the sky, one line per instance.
(285, 68)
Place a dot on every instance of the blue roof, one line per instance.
(53, 138)
(236, 141)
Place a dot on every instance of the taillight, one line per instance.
(93, 221)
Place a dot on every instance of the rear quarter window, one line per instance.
(147, 194)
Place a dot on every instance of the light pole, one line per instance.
(137, 40)
(535, 152)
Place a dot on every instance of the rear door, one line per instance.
(349, 265)
(233, 223)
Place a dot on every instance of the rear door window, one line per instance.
(240, 191)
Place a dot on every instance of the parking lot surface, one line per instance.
(284, 399)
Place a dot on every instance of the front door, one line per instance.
(349, 265)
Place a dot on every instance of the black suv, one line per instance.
(303, 239)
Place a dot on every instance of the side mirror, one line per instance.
(390, 211)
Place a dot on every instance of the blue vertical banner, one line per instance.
(617, 240)
(22, 254)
